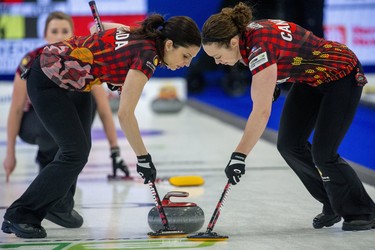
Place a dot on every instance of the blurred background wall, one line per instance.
(21, 21)
(348, 21)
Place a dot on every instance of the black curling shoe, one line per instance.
(358, 225)
(325, 220)
(70, 219)
(27, 231)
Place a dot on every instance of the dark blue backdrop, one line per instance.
(358, 145)
(183, 8)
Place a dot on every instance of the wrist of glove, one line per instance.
(115, 152)
(146, 168)
(235, 168)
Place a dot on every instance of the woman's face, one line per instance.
(58, 30)
(176, 58)
(223, 54)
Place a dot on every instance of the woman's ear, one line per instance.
(234, 42)
(168, 45)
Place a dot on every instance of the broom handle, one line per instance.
(96, 16)
(158, 204)
(218, 208)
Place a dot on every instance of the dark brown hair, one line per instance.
(182, 30)
(222, 27)
(60, 16)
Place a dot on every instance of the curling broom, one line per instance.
(209, 235)
(166, 231)
(96, 16)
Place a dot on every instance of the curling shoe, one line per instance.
(27, 231)
(325, 220)
(70, 219)
(358, 224)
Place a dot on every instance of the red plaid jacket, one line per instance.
(301, 57)
(81, 62)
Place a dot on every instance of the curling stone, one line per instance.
(184, 216)
(167, 101)
(167, 105)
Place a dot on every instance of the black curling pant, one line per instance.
(33, 132)
(69, 125)
(328, 110)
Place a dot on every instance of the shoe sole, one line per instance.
(329, 223)
(9, 229)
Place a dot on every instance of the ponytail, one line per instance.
(223, 26)
(182, 30)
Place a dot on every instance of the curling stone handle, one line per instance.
(167, 202)
(176, 194)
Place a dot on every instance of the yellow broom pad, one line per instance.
(186, 180)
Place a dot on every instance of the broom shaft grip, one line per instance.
(158, 204)
(96, 16)
(219, 205)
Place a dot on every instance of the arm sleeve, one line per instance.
(146, 62)
(262, 56)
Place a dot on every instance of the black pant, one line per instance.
(69, 125)
(328, 110)
(33, 132)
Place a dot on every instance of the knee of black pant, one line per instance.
(284, 147)
(46, 143)
(43, 158)
(83, 158)
(76, 155)
(321, 157)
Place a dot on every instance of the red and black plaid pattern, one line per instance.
(82, 61)
(300, 56)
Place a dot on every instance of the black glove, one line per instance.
(118, 162)
(146, 168)
(235, 167)
(113, 87)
